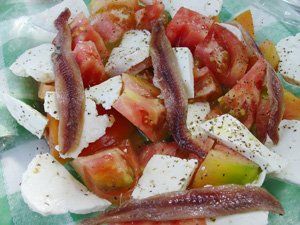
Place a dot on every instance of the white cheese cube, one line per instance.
(50, 105)
(186, 67)
(196, 115)
(107, 92)
(164, 174)
(235, 135)
(36, 63)
(49, 189)
(31, 119)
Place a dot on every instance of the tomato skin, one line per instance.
(243, 99)
(188, 28)
(90, 63)
(121, 130)
(81, 30)
(147, 16)
(206, 87)
(224, 55)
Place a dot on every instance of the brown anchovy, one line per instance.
(167, 78)
(207, 202)
(270, 109)
(68, 87)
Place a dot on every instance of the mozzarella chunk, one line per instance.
(36, 63)
(25, 115)
(94, 127)
(186, 67)
(164, 174)
(133, 50)
(196, 115)
(50, 104)
(288, 147)
(233, 29)
(107, 92)
(49, 189)
(260, 218)
(204, 7)
(289, 53)
(235, 135)
(45, 19)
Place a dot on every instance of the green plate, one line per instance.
(17, 146)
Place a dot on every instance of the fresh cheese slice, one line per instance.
(260, 218)
(289, 148)
(107, 92)
(133, 50)
(25, 115)
(49, 189)
(196, 115)
(36, 63)
(186, 67)
(233, 29)
(45, 20)
(94, 127)
(288, 50)
(164, 174)
(50, 105)
(204, 7)
(235, 135)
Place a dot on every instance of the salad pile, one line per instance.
(167, 114)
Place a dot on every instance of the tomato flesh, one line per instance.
(188, 28)
(224, 54)
(146, 16)
(138, 103)
(90, 63)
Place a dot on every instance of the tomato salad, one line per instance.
(165, 113)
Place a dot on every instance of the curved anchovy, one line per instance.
(68, 87)
(270, 109)
(167, 78)
(205, 202)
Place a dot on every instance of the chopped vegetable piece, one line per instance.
(246, 20)
(292, 106)
(268, 49)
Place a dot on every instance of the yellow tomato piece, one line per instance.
(246, 20)
(269, 51)
(292, 106)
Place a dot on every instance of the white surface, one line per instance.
(50, 104)
(289, 148)
(45, 20)
(49, 189)
(36, 63)
(204, 7)
(186, 67)
(233, 29)
(94, 127)
(289, 53)
(107, 92)
(235, 135)
(15, 161)
(133, 50)
(164, 174)
(26, 116)
(257, 218)
(195, 116)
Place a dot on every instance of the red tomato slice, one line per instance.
(121, 129)
(243, 99)
(82, 31)
(146, 16)
(188, 28)
(90, 63)
(224, 54)
(207, 88)
(161, 148)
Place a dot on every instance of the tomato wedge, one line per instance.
(243, 99)
(188, 28)
(224, 54)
